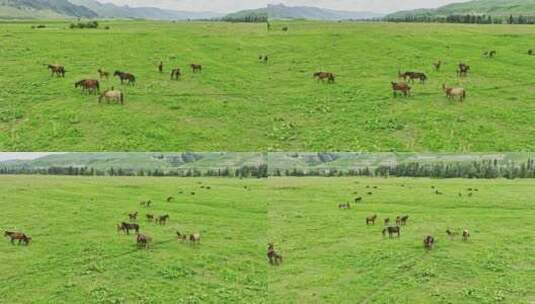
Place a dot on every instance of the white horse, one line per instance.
(454, 92)
(112, 94)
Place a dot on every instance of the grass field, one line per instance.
(330, 255)
(78, 257)
(239, 104)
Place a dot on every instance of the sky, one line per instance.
(226, 6)
(22, 155)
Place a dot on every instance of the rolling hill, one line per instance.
(281, 11)
(43, 9)
(478, 7)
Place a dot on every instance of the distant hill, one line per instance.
(281, 11)
(501, 8)
(55, 9)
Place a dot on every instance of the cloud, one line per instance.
(381, 6)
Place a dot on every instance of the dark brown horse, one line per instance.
(358, 199)
(129, 78)
(91, 86)
(370, 220)
(274, 257)
(196, 67)
(162, 219)
(126, 227)
(429, 241)
(143, 241)
(401, 87)
(391, 231)
(160, 67)
(18, 236)
(387, 221)
(322, 76)
(411, 76)
(175, 74)
(463, 70)
(132, 216)
(146, 203)
(344, 206)
(57, 70)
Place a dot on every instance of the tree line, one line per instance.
(468, 18)
(259, 171)
(486, 169)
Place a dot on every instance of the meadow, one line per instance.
(77, 255)
(239, 104)
(330, 255)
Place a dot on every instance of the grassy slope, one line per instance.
(238, 104)
(490, 7)
(77, 256)
(333, 257)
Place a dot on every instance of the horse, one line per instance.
(451, 93)
(175, 74)
(403, 220)
(391, 231)
(103, 74)
(263, 58)
(196, 67)
(344, 206)
(18, 236)
(160, 67)
(146, 203)
(371, 219)
(463, 70)
(170, 198)
(112, 94)
(162, 219)
(56, 69)
(412, 76)
(438, 192)
(451, 234)
(490, 54)
(387, 221)
(88, 85)
(358, 199)
(150, 217)
(131, 79)
(401, 87)
(437, 65)
(466, 235)
(331, 78)
(273, 256)
(143, 241)
(429, 241)
(126, 227)
(132, 216)
(195, 238)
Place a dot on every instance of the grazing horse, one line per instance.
(196, 67)
(401, 87)
(126, 227)
(18, 236)
(146, 203)
(387, 221)
(412, 76)
(391, 231)
(175, 74)
(490, 54)
(195, 238)
(88, 85)
(463, 70)
(451, 93)
(103, 74)
(150, 217)
(466, 235)
(403, 220)
(437, 65)
(358, 199)
(131, 79)
(371, 219)
(181, 236)
(162, 219)
(331, 78)
(132, 216)
(112, 94)
(160, 67)
(273, 256)
(429, 241)
(143, 241)
(344, 206)
(452, 234)
(438, 192)
(57, 70)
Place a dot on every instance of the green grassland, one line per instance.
(331, 256)
(78, 257)
(239, 104)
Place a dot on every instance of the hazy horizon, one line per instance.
(226, 6)
(24, 155)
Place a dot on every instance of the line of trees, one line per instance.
(249, 17)
(468, 18)
(488, 169)
(259, 171)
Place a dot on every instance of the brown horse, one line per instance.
(452, 234)
(103, 74)
(451, 93)
(150, 217)
(404, 219)
(146, 203)
(17, 236)
(429, 241)
(126, 227)
(344, 206)
(196, 67)
(143, 241)
(321, 76)
(370, 220)
(175, 74)
(91, 86)
(391, 231)
(463, 70)
(131, 79)
(401, 87)
(57, 70)
(412, 76)
(162, 219)
(132, 216)
(274, 257)
(112, 94)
